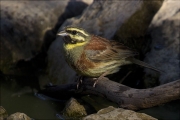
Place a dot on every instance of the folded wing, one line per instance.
(100, 49)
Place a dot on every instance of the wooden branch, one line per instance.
(124, 96)
(135, 99)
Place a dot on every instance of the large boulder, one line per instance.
(25, 25)
(133, 32)
(164, 54)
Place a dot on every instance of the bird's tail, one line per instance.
(141, 63)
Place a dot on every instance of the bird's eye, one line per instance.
(74, 32)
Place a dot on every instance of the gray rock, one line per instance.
(24, 26)
(111, 113)
(133, 31)
(165, 53)
(101, 18)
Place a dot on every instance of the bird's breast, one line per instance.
(73, 56)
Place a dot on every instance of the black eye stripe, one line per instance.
(74, 32)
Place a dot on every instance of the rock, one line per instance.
(74, 109)
(102, 18)
(3, 113)
(27, 27)
(164, 53)
(111, 113)
(133, 31)
(18, 116)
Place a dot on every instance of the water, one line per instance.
(24, 100)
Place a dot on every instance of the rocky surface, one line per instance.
(133, 32)
(18, 116)
(101, 18)
(27, 27)
(111, 113)
(3, 113)
(164, 30)
(15, 116)
(74, 109)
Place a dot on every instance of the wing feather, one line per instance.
(101, 49)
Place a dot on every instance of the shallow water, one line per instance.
(26, 102)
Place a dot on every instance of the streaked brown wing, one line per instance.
(101, 49)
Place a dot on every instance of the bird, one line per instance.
(94, 56)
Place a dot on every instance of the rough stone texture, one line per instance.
(25, 24)
(132, 33)
(74, 109)
(18, 116)
(105, 17)
(111, 113)
(165, 53)
(102, 18)
(3, 113)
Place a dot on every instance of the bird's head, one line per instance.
(74, 37)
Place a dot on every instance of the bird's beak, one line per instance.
(63, 33)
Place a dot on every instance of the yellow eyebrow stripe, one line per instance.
(77, 37)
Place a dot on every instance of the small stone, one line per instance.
(74, 109)
(18, 116)
(3, 113)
